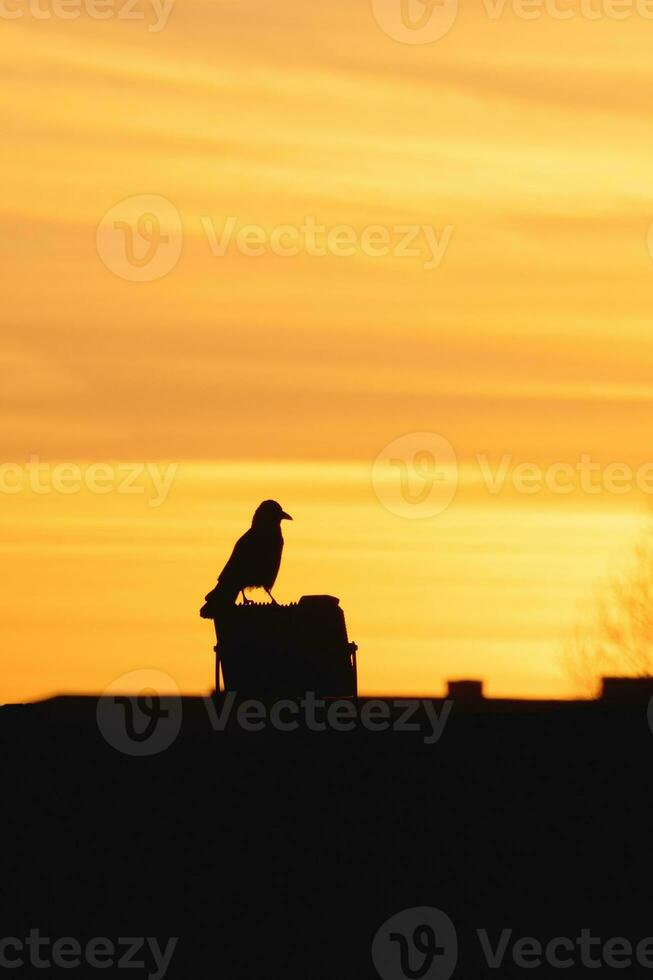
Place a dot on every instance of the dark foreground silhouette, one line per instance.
(279, 853)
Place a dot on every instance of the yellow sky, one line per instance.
(529, 140)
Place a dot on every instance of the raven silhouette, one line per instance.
(256, 557)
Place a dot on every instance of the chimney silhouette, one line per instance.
(465, 690)
(626, 690)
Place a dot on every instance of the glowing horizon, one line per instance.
(528, 335)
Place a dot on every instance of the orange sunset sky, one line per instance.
(525, 142)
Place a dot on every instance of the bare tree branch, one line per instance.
(617, 637)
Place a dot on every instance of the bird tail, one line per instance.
(219, 598)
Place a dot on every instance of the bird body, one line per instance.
(255, 560)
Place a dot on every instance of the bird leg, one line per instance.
(274, 601)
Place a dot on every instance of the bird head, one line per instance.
(270, 513)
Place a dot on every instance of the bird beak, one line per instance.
(285, 517)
